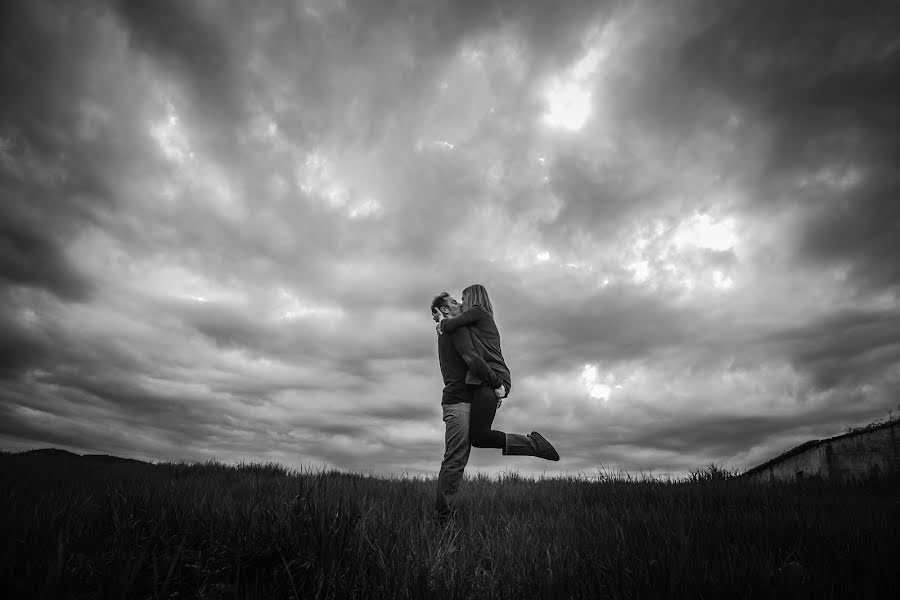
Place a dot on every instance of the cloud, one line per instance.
(851, 347)
(222, 226)
(22, 347)
(824, 92)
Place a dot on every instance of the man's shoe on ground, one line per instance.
(543, 448)
(445, 518)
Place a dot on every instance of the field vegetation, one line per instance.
(79, 527)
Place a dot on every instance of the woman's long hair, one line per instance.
(476, 295)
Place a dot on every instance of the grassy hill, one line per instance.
(82, 527)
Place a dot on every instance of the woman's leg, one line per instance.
(484, 408)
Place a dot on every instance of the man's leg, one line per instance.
(456, 455)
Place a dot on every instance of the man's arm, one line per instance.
(466, 317)
(462, 341)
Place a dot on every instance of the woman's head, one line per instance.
(476, 295)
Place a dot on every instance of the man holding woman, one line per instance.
(476, 379)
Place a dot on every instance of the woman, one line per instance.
(478, 314)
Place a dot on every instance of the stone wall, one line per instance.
(873, 451)
(808, 463)
(847, 456)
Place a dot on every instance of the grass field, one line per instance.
(74, 527)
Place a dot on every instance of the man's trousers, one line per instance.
(456, 455)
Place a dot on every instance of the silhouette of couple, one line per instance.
(476, 380)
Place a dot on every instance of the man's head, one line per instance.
(446, 304)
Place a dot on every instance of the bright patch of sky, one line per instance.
(841, 179)
(171, 137)
(703, 231)
(291, 307)
(157, 277)
(438, 144)
(568, 105)
(663, 255)
(320, 178)
(196, 180)
(569, 95)
(720, 280)
(640, 270)
(596, 387)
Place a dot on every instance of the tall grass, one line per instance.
(76, 529)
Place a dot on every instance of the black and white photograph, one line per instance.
(488, 299)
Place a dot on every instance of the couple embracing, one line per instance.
(476, 380)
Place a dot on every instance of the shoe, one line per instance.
(543, 448)
(442, 519)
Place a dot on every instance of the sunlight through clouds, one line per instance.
(721, 280)
(367, 207)
(704, 232)
(291, 307)
(158, 277)
(170, 136)
(640, 270)
(592, 382)
(319, 177)
(569, 95)
(569, 105)
(696, 254)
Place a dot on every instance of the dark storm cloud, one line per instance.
(77, 417)
(226, 325)
(414, 411)
(861, 227)
(32, 255)
(242, 327)
(847, 348)
(41, 58)
(599, 197)
(822, 77)
(187, 43)
(76, 144)
(13, 426)
(732, 435)
(725, 435)
(192, 46)
(53, 163)
(20, 348)
(618, 324)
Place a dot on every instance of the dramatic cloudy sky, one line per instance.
(222, 224)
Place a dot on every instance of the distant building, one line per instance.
(871, 450)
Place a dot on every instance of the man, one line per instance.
(457, 355)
